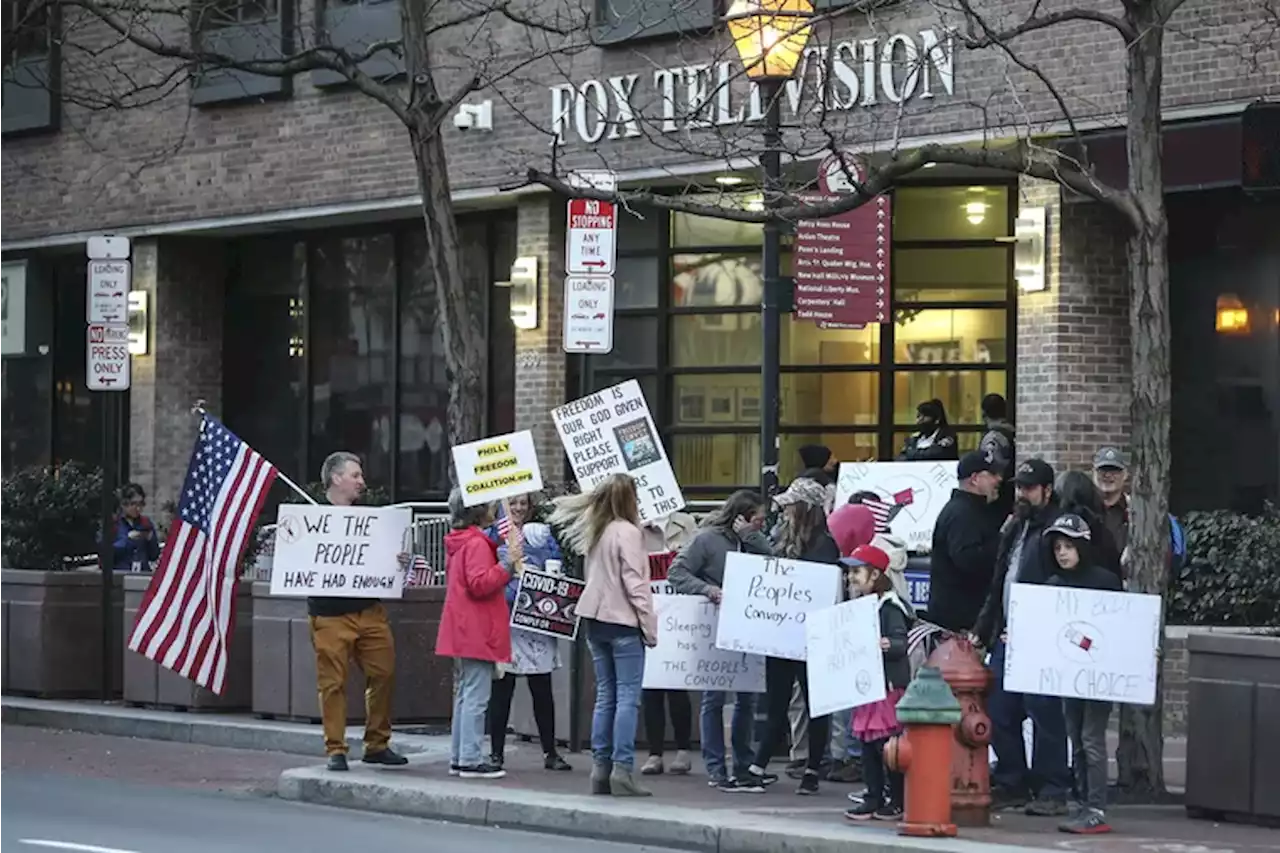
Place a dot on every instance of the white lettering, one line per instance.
(695, 87)
(942, 59)
(724, 91)
(592, 103)
(844, 59)
(562, 98)
(912, 64)
(624, 118)
(665, 79)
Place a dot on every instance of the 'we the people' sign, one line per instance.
(347, 551)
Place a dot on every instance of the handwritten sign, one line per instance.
(499, 467)
(908, 495)
(547, 604)
(767, 601)
(1083, 644)
(612, 432)
(686, 657)
(845, 664)
(347, 551)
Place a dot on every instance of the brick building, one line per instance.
(277, 235)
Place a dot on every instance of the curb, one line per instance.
(194, 728)
(632, 821)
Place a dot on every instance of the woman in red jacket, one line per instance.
(474, 631)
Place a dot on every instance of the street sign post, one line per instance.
(588, 314)
(109, 284)
(107, 357)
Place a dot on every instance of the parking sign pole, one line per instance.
(110, 421)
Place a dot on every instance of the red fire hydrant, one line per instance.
(928, 711)
(961, 667)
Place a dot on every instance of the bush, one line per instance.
(1233, 575)
(51, 516)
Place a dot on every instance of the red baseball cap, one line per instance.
(867, 555)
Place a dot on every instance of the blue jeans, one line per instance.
(844, 745)
(618, 654)
(472, 686)
(711, 728)
(1048, 777)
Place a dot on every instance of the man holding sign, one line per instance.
(343, 628)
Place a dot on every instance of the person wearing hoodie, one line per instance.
(699, 570)
(934, 439)
(1078, 495)
(474, 630)
(818, 463)
(1000, 440)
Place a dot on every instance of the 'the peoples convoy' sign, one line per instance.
(347, 551)
(767, 600)
(686, 657)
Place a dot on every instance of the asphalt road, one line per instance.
(49, 812)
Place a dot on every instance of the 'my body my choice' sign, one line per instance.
(347, 551)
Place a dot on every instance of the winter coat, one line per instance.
(618, 591)
(1035, 565)
(938, 445)
(475, 623)
(962, 560)
(1092, 576)
(897, 551)
(896, 617)
(700, 563)
(145, 550)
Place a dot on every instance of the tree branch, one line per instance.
(1041, 22)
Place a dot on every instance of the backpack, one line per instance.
(1178, 555)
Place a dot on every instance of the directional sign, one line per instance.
(107, 363)
(109, 283)
(588, 314)
(591, 245)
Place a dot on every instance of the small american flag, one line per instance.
(419, 572)
(188, 612)
(885, 512)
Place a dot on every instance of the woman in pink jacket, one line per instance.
(620, 621)
(474, 631)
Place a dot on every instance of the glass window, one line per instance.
(715, 280)
(721, 400)
(961, 392)
(723, 459)
(640, 229)
(422, 457)
(351, 340)
(951, 336)
(637, 283)
(804, 342)
(715, 340)
(845, 447)
(933, 275)
(965, 441)
(951, 213)
(688, 230)
(635, 345)
(831, 399)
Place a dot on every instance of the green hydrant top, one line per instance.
(929, 700)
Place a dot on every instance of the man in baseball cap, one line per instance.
(962, 558)
(1110, 474)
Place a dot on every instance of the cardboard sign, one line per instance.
(344, 551)
(845, 664)
(612, 432)
(499, 467)
(1083, 644)
(686, 657)
(767, 601)
(909, 495)
(547, 604)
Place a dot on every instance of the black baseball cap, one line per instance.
(975, 462)
(1070, 525)
(1034, 472)
(1109, 457)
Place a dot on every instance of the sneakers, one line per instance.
(846, 772)
(1087, 822)
(652, 766)
(682, 765)
(1044, 807)
(808, 783)
(865, 810)
(1003, 799)
(386, 757)
(481, 771)
(497, 759)
(454, 769)
(553, 761)
(337, 762)
(889, 812)
(749, 784)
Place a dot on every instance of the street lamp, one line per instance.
(770, 36)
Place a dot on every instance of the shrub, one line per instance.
(1233, 575)
(51, 516)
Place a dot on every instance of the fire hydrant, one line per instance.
(928, 711)
(961, 667)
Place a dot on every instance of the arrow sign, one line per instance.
(591, 245)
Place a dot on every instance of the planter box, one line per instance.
(284, 663)
(52, 623)
(148, 683)
(1233, 727)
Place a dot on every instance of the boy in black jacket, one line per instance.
(1069, 539)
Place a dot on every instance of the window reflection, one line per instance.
(965, 441)
(803, 343)
(934, 275)
(423, 453)
(845, 447)
(715, 280)
(961, 392)
(947, 336)
(717, 460)
(951, 213)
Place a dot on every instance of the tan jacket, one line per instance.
(618, 592)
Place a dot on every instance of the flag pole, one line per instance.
(198, 409)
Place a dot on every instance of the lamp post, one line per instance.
(770, 36)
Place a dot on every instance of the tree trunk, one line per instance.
(1141, 753)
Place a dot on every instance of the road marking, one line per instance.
(71, 845)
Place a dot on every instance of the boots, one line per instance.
(652, 766)
(682, 765)
(600, 779)
(623, 784)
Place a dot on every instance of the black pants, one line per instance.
(882, 783)
(780, 676)
(655, 704)
(544, 710)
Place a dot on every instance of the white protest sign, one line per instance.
(346, 551)
(845, 664)
(909, 495)
(612, 432)
(502, 466)
(1083, 644)
(767, 601)
(686, 657)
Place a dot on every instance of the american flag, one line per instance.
(188, 612)
(885, 511)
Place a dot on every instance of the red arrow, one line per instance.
(593, 263)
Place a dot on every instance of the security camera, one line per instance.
(474, 116)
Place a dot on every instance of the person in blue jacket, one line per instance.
(136, 544)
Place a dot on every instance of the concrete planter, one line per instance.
(52, 624)
(284, 664)
(147, 683)
(1233, 727)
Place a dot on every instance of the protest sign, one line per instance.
(686, 657)
(547, 604)
(767, 600)
(612, 432)
(908, 495)
(499, 467)
(845, 664)
(1083, 644)
(347, 551)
